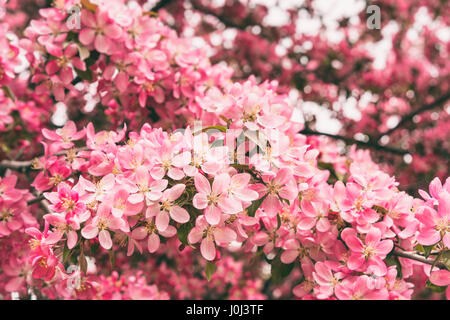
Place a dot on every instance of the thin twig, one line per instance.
(349, 141)
(419, 258)
(407, 118)
(15, 165)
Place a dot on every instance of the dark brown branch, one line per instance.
(409, 117)
(37, 199)
(15, 165)
(417, 257)
(223, 19)
(161, 5)
(350, 141)
(20, 165)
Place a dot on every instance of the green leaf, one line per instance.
(445, 258)
(254, 206)
(9, 93)
(183, 232)
(209, 270)
(93, 57)
(434, 287)
(66, 252)
(427, 250)
(82, 262)
(112, 258)
(279, 270)
(85, 75)
(278, 221)
(392, 260)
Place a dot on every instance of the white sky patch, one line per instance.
(59, 117)
(276, 17)
(380, 50)
(325, 121)
(350, 108)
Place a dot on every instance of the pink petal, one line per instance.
(224, 235)
(139, 233)
(202, 184)
(373, 236)
(354, 243)
(213, 214)
(102, 44)
(105, 239)
(153, 242)
(440, 278)
(208, 249)
(89, 232)
(221, 183)
(200, 201)
(175, 192)
(72, 238)
(384, 247)
(289, 256)
(355, 261)
(162, 220)
(179, 214)
(428, 237)
(86, 36)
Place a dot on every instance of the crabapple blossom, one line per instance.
(128, 133)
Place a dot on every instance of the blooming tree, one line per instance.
(136, 165)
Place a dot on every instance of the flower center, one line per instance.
(56, 179)
(213, 199)
(6, 215)
(368, 252)
(150, 227)
(102, 224)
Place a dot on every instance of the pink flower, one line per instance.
(100, 30)
(371, 252)
(314, 215)
(101, 224)
(167, 206)
(276, 187)
(100, 189)
(358, 288)
(325, 279)
(209, 236)
(65, 200)
(63, 62)
(120, 205)
(435, 225)
(441, 278)
(8, 191)
(145, 188)
(215, 200)
(65, 135)
(152, 230)
(66, 226)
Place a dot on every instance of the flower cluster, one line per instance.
(196, 174)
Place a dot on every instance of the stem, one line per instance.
(411, 115)
(349, 141)
(15, 165)
(419, 258)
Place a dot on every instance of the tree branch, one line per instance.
(407, 118)
(224, 20)
(349, 141)
(417, 257)
(161, 5)
(15, 165)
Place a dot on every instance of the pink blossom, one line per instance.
(101, 224)
(214, 200)
(370, 253)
